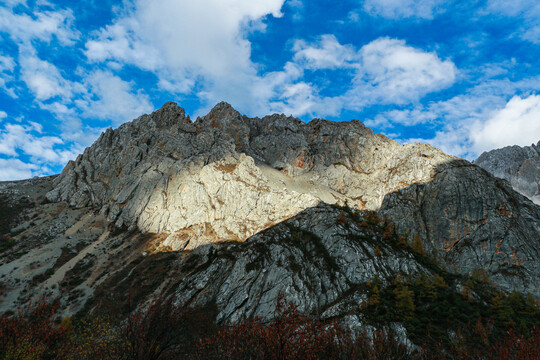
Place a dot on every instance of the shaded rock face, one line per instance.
(321, 259)
(227, 176)
(519, 165)
(473, 220)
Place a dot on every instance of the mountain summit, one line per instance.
(231, 211)
(227, 176)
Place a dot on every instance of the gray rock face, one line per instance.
(320, 259)
(519, 165)
(227, 176)
(473, 220)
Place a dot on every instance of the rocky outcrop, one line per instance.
(472, 220)
(519, 165)
(227, 176)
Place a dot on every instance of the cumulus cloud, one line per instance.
(407, 117)
(7, 65)
(487, 116)
(184, 42)
(26, 139)
(386, 71)
(518, 123)
(43, 78)
(15, 169)
(397, 73)
(111, 98)
(400, 9)
(42, 25)
(327, 53)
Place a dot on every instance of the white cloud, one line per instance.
(328, 53)
(15, 169)
(42, 25)
(400, 9)
(527, 10)
(111, 98)
(42, 77)
(7, 65)
(15, 139)
(187, 43)
(487, 116)
(392, 72)
(3, 115)
(214, 62)
(518, 123)
(204, 37)
(407, 117)
(13, 3)
(385, 71)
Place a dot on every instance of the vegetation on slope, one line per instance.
(164, 330)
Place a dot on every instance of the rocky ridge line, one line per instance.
(227, 177)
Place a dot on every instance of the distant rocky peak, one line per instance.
(519, 165)
(234, 174)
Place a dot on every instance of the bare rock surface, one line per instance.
(472, 220)
(227, 176)
(519, 165)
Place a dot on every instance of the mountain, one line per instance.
(228, 212)
(519, 165)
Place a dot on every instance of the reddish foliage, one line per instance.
(32, 333)
(164, 330)
(293, 335)
(289, 335)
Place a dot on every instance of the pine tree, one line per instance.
(418, 245)
(404, 299)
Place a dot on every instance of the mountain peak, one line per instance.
(221, 116)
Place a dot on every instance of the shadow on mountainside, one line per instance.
(472, 220)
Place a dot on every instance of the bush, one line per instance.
(165, 330)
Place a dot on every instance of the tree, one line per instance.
(404, 299)
(418, 245)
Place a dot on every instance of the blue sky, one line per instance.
(463, 76)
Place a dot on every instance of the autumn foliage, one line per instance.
(166, 330)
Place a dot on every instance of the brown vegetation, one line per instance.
(165, 330)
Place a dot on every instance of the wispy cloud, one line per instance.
(402, 9)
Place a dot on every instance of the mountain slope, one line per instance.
(229, 211)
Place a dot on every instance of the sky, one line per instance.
(461, 75)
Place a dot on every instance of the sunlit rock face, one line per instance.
(519, 165)
(227, 177)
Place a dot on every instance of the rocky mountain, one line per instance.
(519, 165)
(229, 212)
